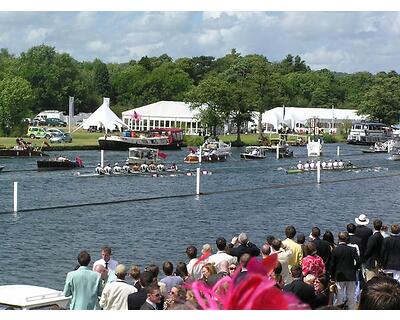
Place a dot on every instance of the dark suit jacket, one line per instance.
(364, 233)
(345, 262)
(147, 306)
(353, 239)
(390, 253)
(302, 291)
(249, 248)
(137, 299)
(372, 254)
(323, 250)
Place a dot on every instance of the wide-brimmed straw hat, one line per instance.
(362, 220)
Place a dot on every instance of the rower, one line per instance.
(329, 165)
(323, 164)
(160, 167)
(254, 152)
(173, 166)
(312, 165)
(307, 166)
(135, 167)
(152, 167)
(99, 169)
(335, 164)
(117, 168)
(144, 167)
(300, 166)
(349, 164)
(340, 163)
(126, 168)
(108, 169)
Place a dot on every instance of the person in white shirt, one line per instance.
(106, 260)
(340, 164)
(312, 165)
(99, 169)
(307, 166)
(108, 169)
(284, 255)
(323, 164)
(126, 168)
(115, 294)
(221, 255)
(193, 266)
(117, 168)
(330, 164)
(300, 166)
(335, 164)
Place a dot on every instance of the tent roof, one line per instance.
(164, 109)
(301, 115)
(103, 117)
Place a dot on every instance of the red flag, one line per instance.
(161, 154)
(136, 116)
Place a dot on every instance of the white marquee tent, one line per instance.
(298, 117)
(163, 114)
(103, 117)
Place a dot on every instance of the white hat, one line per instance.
(362, 220)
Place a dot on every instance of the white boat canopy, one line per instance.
(103, 117)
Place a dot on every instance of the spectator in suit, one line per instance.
(245, 246)
(345, 262)
(153, 298)
(84, 285)
(355, 241)
(115, 294)
(137, 299)
(390, 253)
(372, 253)
(299, 288)
(284, 256)
(380, 293)
(363, 232)
(323, 246)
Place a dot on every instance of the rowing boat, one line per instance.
(290, 171)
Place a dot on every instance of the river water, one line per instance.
(257, 197)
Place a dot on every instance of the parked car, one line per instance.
(61, 137)
(37, 133)
(54, 131)
(55, 122)
(26, 297)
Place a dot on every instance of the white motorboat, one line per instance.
(395, 151)
(212, 150)
(254, 153)
(314, 148)
(143, 156)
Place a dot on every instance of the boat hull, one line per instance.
(191, 159)
(21, 153)
(126, 143)
(56, 165)
(248, 156)
(291, 171)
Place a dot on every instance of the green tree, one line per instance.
(382, 100)
(51, 75)
(16, 96)
(101, 79)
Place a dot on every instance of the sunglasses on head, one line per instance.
(232, 268)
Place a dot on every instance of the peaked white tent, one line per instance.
(103, 117)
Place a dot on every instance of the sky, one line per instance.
(342, 41)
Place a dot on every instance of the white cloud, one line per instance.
(98, 46)
(38, 35)
(321, 58)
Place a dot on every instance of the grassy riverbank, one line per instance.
(83, 140)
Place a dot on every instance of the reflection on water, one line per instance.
(43, 245)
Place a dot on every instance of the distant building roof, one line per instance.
(163, 109)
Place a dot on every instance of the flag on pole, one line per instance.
(136, 116)
(71, 106)
(161, 154)
(284, 111)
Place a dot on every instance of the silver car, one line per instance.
(61, 138)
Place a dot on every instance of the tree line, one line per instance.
(233, 87)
